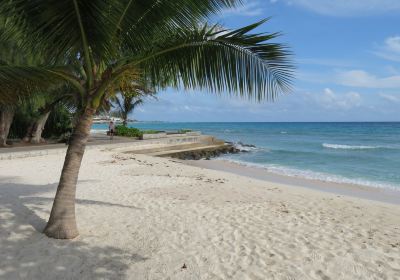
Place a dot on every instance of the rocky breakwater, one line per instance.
(212, 152)
(206, 153)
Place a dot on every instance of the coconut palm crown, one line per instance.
(93, 44)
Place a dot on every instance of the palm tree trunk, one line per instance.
(6, 118)
(124, 118)
(62, 223)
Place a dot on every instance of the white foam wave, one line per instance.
(348, 147)
(312, 175)
(244, 147)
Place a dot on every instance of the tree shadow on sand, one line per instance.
(26, 253)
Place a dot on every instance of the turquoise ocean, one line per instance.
(356, 153)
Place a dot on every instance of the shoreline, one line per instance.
(377, 193)
(358, 191)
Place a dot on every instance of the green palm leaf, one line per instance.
(234, 62)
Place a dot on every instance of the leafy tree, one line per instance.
(94, 44)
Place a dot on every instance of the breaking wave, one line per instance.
(348, 147)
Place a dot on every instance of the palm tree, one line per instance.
(164, 41)
(126, 104)
(131, 95)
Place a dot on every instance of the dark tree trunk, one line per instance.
(34, 131)
(62, 223)
(6, 118)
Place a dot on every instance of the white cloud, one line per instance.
(249, 8)
(363, 79)
(390, 49)
(348, 7)
(390, 98)
(331, 100)
(393, 43)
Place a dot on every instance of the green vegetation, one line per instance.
(122, 130)
(58, 124)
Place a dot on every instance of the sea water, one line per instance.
(356, 153)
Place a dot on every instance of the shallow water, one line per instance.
(356, 153)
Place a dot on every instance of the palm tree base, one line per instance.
(58, 231)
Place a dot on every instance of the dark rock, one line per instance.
(206, 153)
(246, 145)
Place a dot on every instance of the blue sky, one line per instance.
(347, 54)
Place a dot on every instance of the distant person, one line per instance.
(111, 129)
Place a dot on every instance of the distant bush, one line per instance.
(121, 130)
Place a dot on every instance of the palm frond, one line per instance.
(99, 26)
(144, 20)
(20, 81)
(233, 62)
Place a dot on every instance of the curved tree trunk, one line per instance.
(38, 128)
(6, 118)
(62, 223)
(34, 131)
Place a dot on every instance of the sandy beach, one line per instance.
(143, 217)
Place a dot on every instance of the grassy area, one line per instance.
(121, 130)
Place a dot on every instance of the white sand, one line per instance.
(143, 218)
